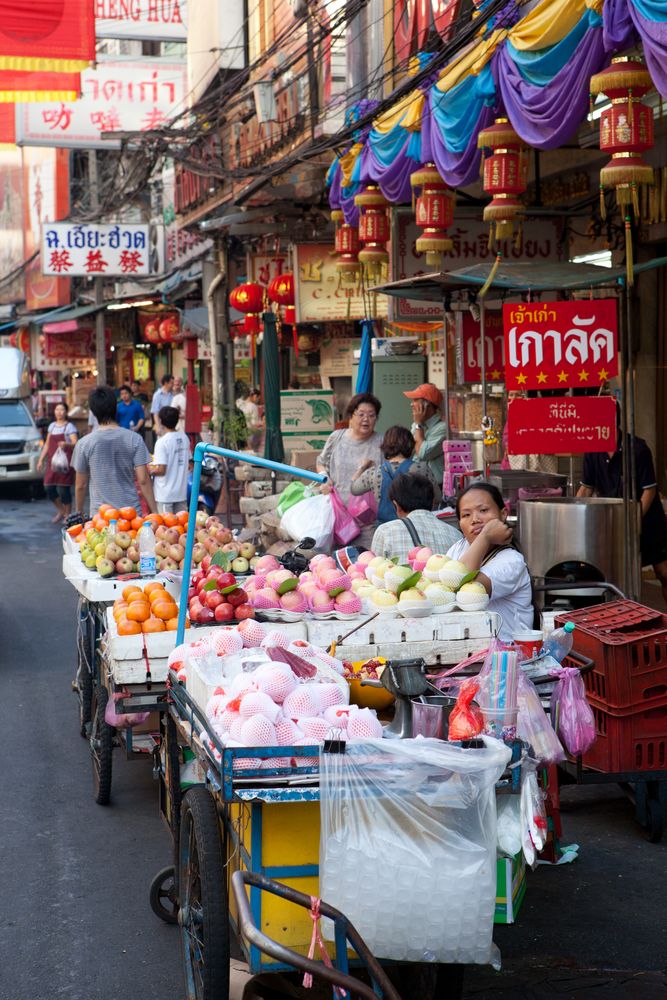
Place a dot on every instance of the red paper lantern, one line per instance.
(169, 330)
(373, 229)
(20, 339)
(626, 130)
(505, 176)
(434, 212)
(347, 246)
(247, 298)
(152, 332)
(281, 289)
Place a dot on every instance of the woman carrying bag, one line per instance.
(56, 457)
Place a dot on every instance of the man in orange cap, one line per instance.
(428, 429)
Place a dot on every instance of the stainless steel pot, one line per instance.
(430, 715)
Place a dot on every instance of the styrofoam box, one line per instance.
(457, 625)
(433, 653)
(104, 590)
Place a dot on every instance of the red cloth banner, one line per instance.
(47, 35)
(7, 124)
(561, 425)
(560, 345)
(471, 348)
(18, 86)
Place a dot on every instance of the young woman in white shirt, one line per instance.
(487, 547)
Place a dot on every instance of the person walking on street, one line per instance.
(428, 428)
(162, 396)
(56, 456)
(179, 401)
(129, 412)
(170, 464)
(109, 460)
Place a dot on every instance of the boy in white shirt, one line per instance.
(170, 464)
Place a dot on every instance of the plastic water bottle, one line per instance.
(113, 531)
(560, 642)
(147, 563)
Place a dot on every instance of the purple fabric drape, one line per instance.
(394, 180)
(546, 117)
(456, 169)
(654, 39)
(618, 30)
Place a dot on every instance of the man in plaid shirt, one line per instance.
(412, 498)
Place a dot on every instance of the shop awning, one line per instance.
(65, 321)
(511, 277)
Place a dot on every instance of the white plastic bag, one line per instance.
(408, 846)
(59, 460)
(311, 518)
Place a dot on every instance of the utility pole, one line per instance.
(100, 339)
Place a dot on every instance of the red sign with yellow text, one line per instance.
(561, 425)
(560, 345)
(473, 351)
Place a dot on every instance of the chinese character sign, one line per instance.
(115, 97)
(161, 20)
(560, 345)
(114, 250)
(321, 296)
(561, 425)
(470, 351)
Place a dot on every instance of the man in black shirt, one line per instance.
(603, 475)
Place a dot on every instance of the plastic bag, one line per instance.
(294, 493)
(533, 813)
(533, 726)
(59, 460)
(466, 720)
(571, 715)
(509, 825)
(408, 846)
(122, 720)
(363, 508)
(345, 526)
(312, 518)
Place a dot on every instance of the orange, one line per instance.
(155, 518)
(123, 525)
(110, 514)
(99, 522)
(130, 589)
(158, 594)
(181, 528)
(129, 513)
(182, 517)
(75, 530)
(126, 627)
(137, 597)
(138, 612)
(172, 624)
(170, 520)
(154, 625)
(102, 507)
(153, 585)
(164, 610)
(136, 523)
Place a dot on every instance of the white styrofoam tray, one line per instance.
(105, 590)
(458, 625)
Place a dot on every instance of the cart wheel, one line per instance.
(84, 689)
(203, 914)
(163, 899)
(653, 821)
(101, 746)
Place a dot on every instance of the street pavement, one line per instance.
(76, 923)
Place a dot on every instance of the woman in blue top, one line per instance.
(397, 448)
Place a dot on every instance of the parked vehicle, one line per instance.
(20, 440)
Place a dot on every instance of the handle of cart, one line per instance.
(201, 450)
(345, 934)
(552, 583)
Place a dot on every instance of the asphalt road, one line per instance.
(75, 921)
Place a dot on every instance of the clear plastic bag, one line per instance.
(533, 813)
(408, 846)
(509, 825)
(59, 460)
(311, 518)
(533, 726)
(571, 715)
(122, 720)
(466, 720)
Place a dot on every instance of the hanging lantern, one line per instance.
(626, 130)
(152, 332)
(281, 289)
(347, 248)
(505, 177)
(373, 229)
(169, 330)
(249, 298)
(20, 339)
(434, 212)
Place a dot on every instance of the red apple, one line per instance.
(205, 616)
(237, 597)
(215, 570)
(205, 563)
(192, 592)
(213, 599)
(244, 611)
(224, 612)
(194, 608)
(226, 580)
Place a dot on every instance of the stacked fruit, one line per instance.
(324, 588)
(214, 594)
(152, 609)
(429, 578)
(212, 536)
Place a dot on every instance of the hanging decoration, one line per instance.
(347, 248)
(373, 230)
(281, 291)
(434, 212)
(505, 177)
(249, 298)
(169, 330)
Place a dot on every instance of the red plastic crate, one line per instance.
(628, 645)
(636, 742)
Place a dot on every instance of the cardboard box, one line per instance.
(302, 459)
(304, 442)
(510, 888)
(303, 411)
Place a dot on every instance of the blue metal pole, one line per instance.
(201, 450)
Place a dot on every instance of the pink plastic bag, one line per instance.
(571, 715)
(120, 721)
(345, 526)
(364, 508)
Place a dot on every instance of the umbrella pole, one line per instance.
(482, 341)
(445, 388)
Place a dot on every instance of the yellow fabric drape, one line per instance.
(407, 113)
(39, 65)
(29, 96)
(347, 162)
(470, 63)
(547, 24)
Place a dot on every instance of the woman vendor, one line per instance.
(487, 547)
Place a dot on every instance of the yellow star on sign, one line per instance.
(603, 374)
(541, 378)
(495, 373)
(562, 376)
(521, 379)
(583, 375)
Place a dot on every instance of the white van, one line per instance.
(20, 441)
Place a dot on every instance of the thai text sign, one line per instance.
(118, 250)
(115, 97)
(163, 20)
(560, 345)
(321, 296)
(469, 350)
(561, 425)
